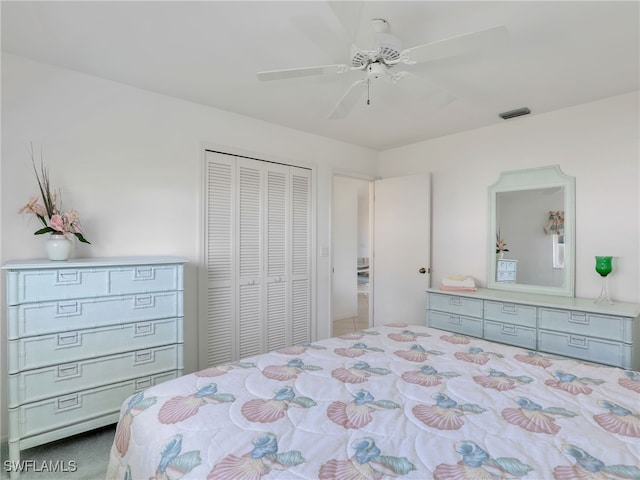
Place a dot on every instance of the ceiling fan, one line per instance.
(382, 61)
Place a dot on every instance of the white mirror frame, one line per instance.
(530, 179)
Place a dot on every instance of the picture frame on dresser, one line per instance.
(82, 336)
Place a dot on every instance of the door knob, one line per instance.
(423, 270)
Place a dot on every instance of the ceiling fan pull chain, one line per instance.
(368, 98)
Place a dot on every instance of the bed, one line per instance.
(400, 401)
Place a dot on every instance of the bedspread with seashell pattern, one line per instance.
(399, 400)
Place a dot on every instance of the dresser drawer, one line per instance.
(524, 315)
(455, 323)
(524, 337)
(587, 348)
(459, 305)
(589, 324)
(34, 352)
(58, 412)
(67, 283)
(49, 317)
(47, 382)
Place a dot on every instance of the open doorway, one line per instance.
(351, 244)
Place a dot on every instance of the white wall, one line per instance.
(130, 162)
(598, 143)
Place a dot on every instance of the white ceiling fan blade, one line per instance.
(420, 87)
(459, 45)
(348, 100)
(302, 72)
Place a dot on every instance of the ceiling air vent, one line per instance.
(515, 113)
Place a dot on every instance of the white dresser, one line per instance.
(572, 327)
(82, 336)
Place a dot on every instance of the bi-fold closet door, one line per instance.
(257, 256)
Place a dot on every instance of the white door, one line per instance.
(345, 249)
(402, 245)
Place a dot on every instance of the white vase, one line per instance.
(58, 247)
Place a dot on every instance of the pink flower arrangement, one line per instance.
(54, 221)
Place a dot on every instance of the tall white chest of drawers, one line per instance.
(82, 336)
(567, 326)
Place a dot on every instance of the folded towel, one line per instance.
(458, 289)
(464, 281)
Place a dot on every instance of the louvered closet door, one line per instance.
(219, 328)
(258, 258)
(300, 255)
(250, 193)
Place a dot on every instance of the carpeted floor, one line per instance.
(87, 454)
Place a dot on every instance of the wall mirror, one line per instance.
(532, 232)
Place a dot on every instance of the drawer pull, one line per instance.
(67, 308)
(67, 370)
(144, 328)
(67, 338)
(455, 320)
(509, 308)
(144, 273)
(144, 301)
(509, 330)
(579, 317)
(68, 402)
(142, 357)
(455, 301)
(68, 276)
(580, 342)
(143, 383)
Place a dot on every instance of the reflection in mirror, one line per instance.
(532, 215)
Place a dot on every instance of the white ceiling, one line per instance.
(558, 54)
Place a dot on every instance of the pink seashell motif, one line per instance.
(213, 372)
(460, 471)
(123, 433)
(575, 472)
(396, 324)
(412, 355)
(536, 360)
(232, 467)
(628, 425)
(574, 388)
(532, 420)
(478, 358)
(350, 352)
(419, 378)
(497, 383)
(281, 372)
(346, 470)
(456, 339)
(438, 417)
(264, 411)
(403, 337)
(350, 376)
(629, 383)
(349, 415)
(178, 409)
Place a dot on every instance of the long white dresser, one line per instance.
(568, 326)
(82, 336)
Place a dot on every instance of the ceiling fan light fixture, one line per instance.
(518, 112)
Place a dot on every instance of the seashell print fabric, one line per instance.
(396, 401)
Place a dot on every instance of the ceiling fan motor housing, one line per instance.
(376, 70)
(386, 47)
